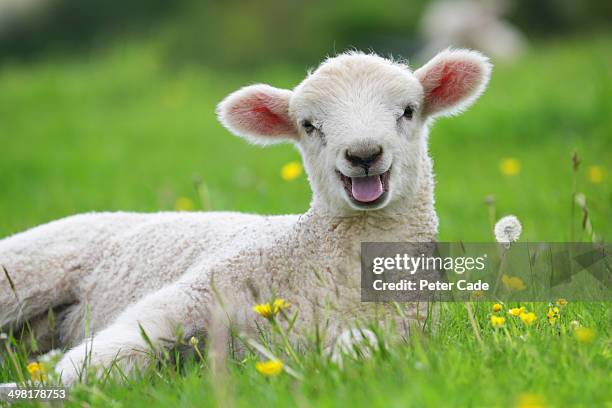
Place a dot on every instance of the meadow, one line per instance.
(123, 130)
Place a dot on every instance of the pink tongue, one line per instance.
(367, 189)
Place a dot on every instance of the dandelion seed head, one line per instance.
(507, 229)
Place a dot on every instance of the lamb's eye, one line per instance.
(308, 126)
(408, 112)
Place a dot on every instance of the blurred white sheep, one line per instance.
(474, 24)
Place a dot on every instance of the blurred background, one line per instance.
(109, 105)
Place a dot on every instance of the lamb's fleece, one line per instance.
(110, 261)
(356, 116)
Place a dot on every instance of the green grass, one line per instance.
(448, 367)
(122, 131)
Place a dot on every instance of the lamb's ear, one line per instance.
(452, 81)
(259, 113)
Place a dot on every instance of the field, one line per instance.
(121, 130)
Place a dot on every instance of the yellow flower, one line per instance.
(584, 334)
(36, 371)
(497, 321)
(510, 166)
(268, 310)
(263, 309)
(529, 400)
(280, 304)
(552, 314)
(596, 174)
(528, 318)
(517, 311)
(513, 282)
(184, 204)
(561, 302)
(269, 368)
(291, 171)
(497, 307)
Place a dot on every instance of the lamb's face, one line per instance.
(359, 121)
(360, 130)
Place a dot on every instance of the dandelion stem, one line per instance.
(500, 270)
(288, 347)
(475, 328)
(490, 202)
(575, 165)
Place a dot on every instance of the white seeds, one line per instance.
(508, 229)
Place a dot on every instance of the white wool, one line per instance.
(163, 270)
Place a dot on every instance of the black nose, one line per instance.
(363, 158)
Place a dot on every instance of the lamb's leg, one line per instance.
(183, 304)
(37, 272)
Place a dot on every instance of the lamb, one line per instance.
(361, 124)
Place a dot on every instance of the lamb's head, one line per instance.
(360, 122)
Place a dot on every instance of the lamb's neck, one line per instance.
(416, 223)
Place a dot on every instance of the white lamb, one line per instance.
(361, 124)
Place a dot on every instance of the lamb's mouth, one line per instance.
(366, 191)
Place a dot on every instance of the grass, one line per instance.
(122, 131)
(542, 362)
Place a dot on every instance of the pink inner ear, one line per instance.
(262, 115)
(266, 115)
(455, 80)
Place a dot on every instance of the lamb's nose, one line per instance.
(363, 158)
